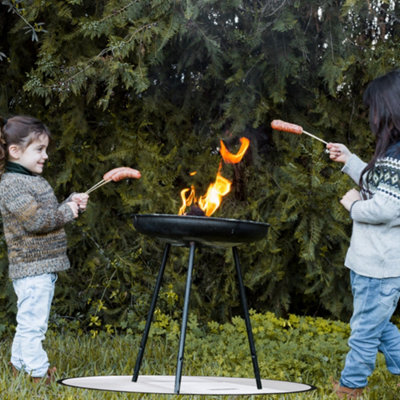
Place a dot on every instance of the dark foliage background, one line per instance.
(155, 84)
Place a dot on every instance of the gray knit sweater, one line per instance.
(375, 242)
(33, 223)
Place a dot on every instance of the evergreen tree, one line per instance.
(155, 85)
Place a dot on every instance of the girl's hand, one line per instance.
(338, 152)
(74, 207)
(81, 200)
(349, 198)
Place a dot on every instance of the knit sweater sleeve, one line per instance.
(381, 209)
(384, 206)
(353, 167)
(37, 216)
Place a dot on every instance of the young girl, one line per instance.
(374, 253)
(33, 223)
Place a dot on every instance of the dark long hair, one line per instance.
(382, 97)
(20, 130)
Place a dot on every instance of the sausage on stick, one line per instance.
(279, 125)
(116, 175)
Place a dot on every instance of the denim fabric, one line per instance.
(375, 301)
(35, 294)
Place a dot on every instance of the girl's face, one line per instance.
(33, 156)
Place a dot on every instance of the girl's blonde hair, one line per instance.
(20, 130)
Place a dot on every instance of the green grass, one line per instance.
(298, 349)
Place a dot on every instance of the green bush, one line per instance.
(297, 349)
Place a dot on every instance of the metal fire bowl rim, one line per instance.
(211, 231)
(201, 218)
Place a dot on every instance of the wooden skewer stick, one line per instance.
(315, 137)
(116, 175)
(97, 185)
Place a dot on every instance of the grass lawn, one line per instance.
(298, 349)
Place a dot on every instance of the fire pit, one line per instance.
(181, 230)
(192, 231)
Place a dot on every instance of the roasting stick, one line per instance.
(116, 174)
(279, 125)
(97, 185)
(315, 137)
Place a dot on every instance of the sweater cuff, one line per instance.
(67, 212)
(351, 208)
(352, 162)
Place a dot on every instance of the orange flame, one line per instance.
(230, 158)
(211, 201)
(186, 201)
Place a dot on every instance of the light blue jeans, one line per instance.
(35, 294)
(374, 302)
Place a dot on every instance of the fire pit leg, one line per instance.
(184, 319)
(247, 319)
(151, 312)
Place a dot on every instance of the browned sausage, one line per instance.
(117, 174)
(279, 125)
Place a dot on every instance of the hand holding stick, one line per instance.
(279, 125)
(338, 152)
(116, 174)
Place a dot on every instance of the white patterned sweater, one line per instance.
(375, 242)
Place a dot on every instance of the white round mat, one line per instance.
(201, 385)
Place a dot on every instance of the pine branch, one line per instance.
(111, 49)
(117, 12)
(14, 9)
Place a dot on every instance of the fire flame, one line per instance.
(186, 201)
(230, 158)
(212, 199)
(210, 202)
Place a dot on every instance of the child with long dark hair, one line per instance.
(33, 222)
(374, 253)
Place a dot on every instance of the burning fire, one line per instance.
(210, 202)
(230, 158)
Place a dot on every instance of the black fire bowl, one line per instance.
(180, 230)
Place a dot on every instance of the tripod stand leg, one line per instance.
(178, 376)
(151, 312)
(247, 319)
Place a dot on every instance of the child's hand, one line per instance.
(81, 200)
(74, 207)
(338, 152)
(349, 198)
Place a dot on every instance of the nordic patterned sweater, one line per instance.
(375, 242)
(33, 223)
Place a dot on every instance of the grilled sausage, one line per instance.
(279, 125)
(117, 174)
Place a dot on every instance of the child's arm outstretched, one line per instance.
(340, 153)
(40, 217)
